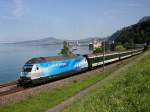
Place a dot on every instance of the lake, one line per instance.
(13, 57)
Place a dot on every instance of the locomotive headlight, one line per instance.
(24, 74)
(21, 74)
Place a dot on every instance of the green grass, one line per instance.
(130, 92)
(48, 99)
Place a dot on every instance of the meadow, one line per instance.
(130, 92)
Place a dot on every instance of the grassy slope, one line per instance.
(130, 92)
(48, 99)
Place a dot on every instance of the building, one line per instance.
(96, 43)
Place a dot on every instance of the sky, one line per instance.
(67, 19)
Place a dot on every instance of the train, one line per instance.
(43, 69)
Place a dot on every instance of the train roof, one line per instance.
(101, 54)
(110, 53)
(107, 53)
(48, 59)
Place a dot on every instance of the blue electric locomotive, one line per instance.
(41, 69)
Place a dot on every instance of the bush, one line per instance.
(65, 50)
(98, 50)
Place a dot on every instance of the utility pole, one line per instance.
(103, 55)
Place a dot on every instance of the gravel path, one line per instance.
(69, 101)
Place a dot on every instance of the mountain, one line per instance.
(44, 41)
(55, 41)
(137, 33)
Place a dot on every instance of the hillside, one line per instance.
(138, 33)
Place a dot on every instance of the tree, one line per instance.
(129, 44)
(65, 50)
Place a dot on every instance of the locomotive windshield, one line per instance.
(27, 68)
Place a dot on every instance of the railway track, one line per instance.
(8, 84)
(10, 88)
